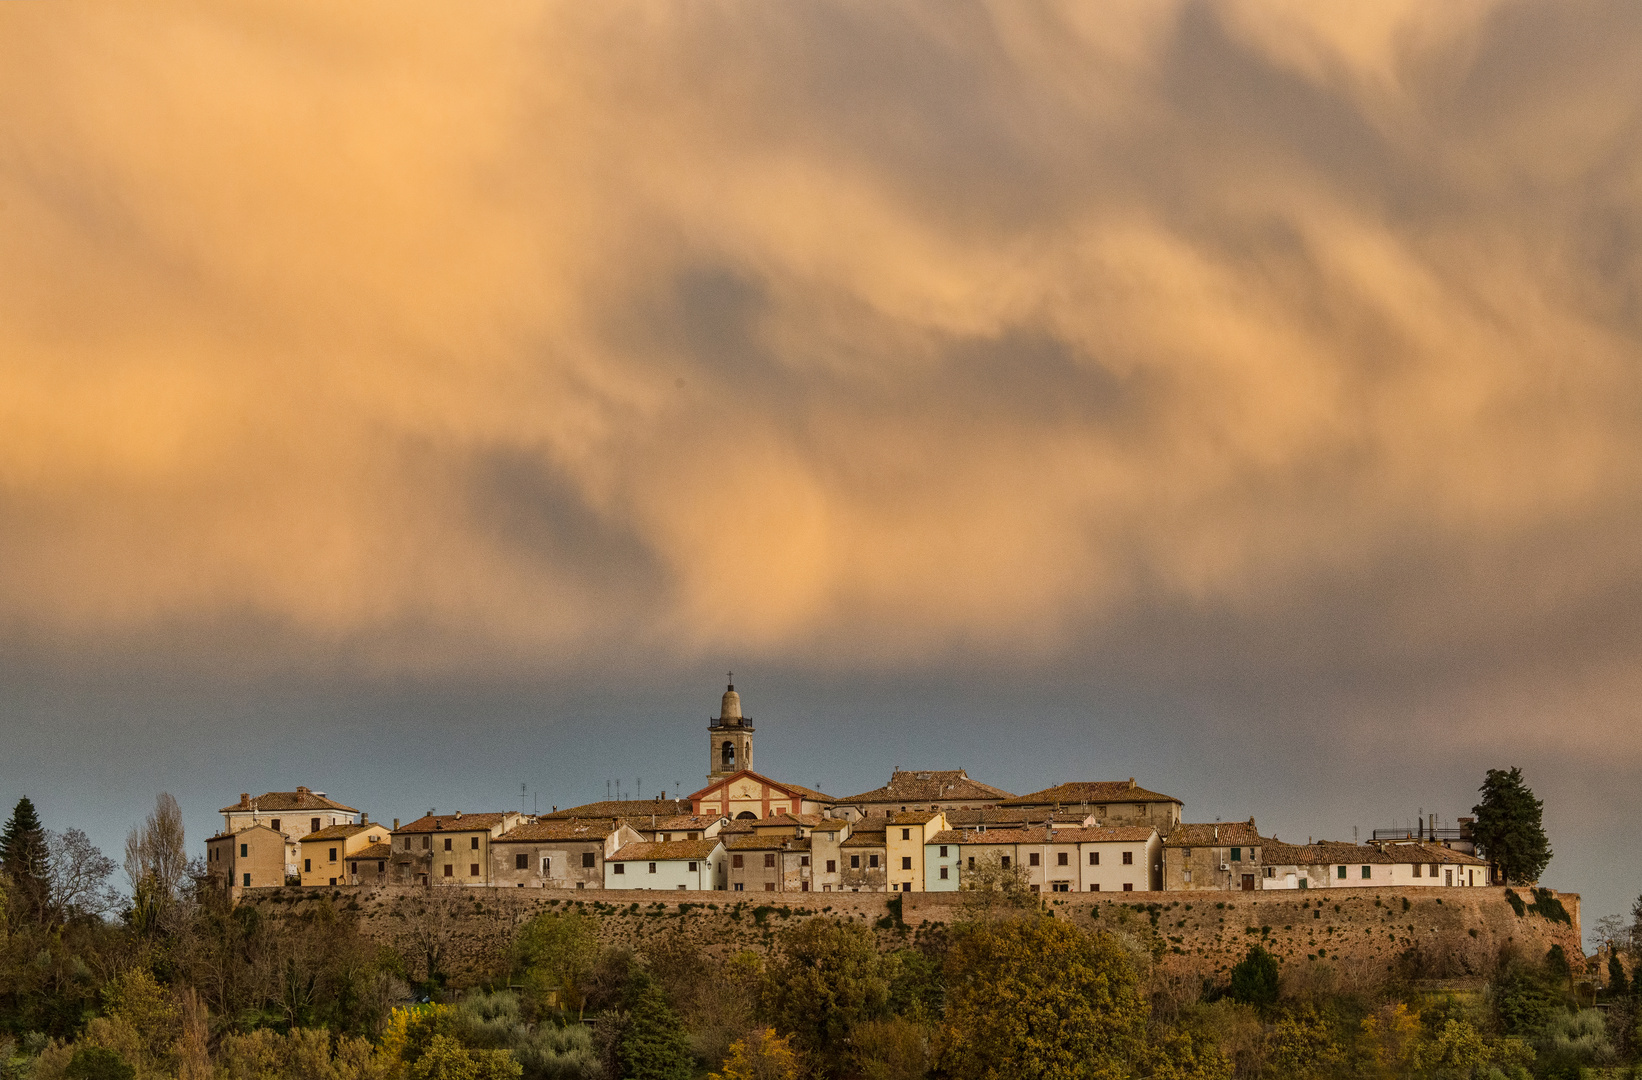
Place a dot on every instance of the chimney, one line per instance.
(1131, 783)
(458, 815)
(395, 824)
(364, 818)
(300, 790)
(245, 800)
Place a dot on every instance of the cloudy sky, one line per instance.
(415, 404)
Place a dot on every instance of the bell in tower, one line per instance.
(730, 737)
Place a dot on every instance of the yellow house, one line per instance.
(447, 849)
(324, 853)
(904, 838)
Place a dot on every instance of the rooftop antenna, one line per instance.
(607, 791)
(1354, 834)
(641, 787)
(521, 798)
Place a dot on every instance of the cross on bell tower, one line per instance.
(729, 736)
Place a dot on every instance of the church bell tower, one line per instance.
(730, 738)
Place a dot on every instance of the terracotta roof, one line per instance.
(789, 821)
(796, 789)
(764, 843)
(1091, 792)
(452, 823)
(929, 785)
(1241, 833)
(864, 838)
(375, 851)
(688, 822)
(665, 851)
(342, 832)
(273, 801)
(1339, 853)
(558, 830)
(248, 828)
(630, 809)
(1018, 815)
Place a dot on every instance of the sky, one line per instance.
(417, 403)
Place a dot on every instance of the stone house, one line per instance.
(671, 865)
(1216, 855)
(558, 854)
(1338, 865)
(863, 857)
(769, 862)
(1123, 858)
(252, 858)
(447, 849)
(922, 789)
(905, 837)
(369, 865)
(1112, 802)
(291, 813)
(324, 853)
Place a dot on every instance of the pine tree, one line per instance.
(23, 859)
(655, 1045)
(1508, 829)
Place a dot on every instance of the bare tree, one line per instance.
(155, 852)
(78, 874)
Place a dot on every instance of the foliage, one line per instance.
(1037, 997)
(554, 954)
(156, 851)
(825, 979)
(1508, 828)
(990, 884)
(1549, 907)
(1255, 978)
(1302, 1044)
(654, 1045)
(1618, 985)
(763, 1055)
(77, 877)
(23, 858)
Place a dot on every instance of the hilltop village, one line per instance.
(923, 831)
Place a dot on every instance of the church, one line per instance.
(733, 789)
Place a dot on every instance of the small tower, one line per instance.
(729, 737)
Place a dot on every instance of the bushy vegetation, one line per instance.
(180, 984)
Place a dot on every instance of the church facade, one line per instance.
(733, 789)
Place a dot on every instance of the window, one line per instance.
(855, 862)
(1094, 888)
(652, 868)
(872, 862)
(805, 887)
(832, 866)
(333, 881)
(906, 834)
(972, 862)
(619, 868)
(1186, 877)
(473, 843)
(450, 870)
(1060, 886)
(692, 870)
(247, 881)
(473, 869)
(381, 865)
(1237, 854)
(803, 860)
(738, 887)
(589, 859)
(243, 848)
(1433, 869)
(906, 862)
(1006, 862)
(1094, 858)
(1270, 872)
(1101, 810)
(692, 836)
(1340, 872)
(769, 886)
(307, 865)
(1128, 886)
(1128, 858)
(769, 859)
(1366, 872)
(1032, 859)
(943, 873)
(313, 824)
(333, 855)
(735, 861)
(547, 864)
(1061, 858)
(1417, 867)
(274, 824)
(943, 851)
(447, 843)
(427, 842)
(521, 861)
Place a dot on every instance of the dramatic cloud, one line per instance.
(1208, 338)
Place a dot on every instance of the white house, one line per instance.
(1329, 865)
(670, 864)
(1124, 858)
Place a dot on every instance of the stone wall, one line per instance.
(1359, 933)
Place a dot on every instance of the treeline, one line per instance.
(177, 983)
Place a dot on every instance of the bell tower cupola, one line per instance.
(730, 737)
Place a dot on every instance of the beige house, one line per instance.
(324, 853)
(252, 858)
(558, 854)
(769, 863)
(1333, 865)
(923, 789)
(1123, 858)
(1112, 802)
(447, 849)
(369, 865)
(292, 813)
(904, 838)
(1216, 855)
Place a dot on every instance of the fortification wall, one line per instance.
(1436, 933)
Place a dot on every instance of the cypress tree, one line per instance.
(23, 859)
(1508, 828)
(655, 1045)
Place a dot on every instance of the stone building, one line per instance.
(369, 865)
(294, 814)
(1215, 855)
(558, 854)
(252, 858)
(924, 789)
(1112, 802)
(863, 857)
(447, 849)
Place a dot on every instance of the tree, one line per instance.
(553, 955)
(23, 858)
(763, 1055)
(1618, 985)
(826, 978)
(1508, 829)
(155, 851)
(993, 883)
(1037, 998)
(654, 1045)
(78, 873)
(1254, 981)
